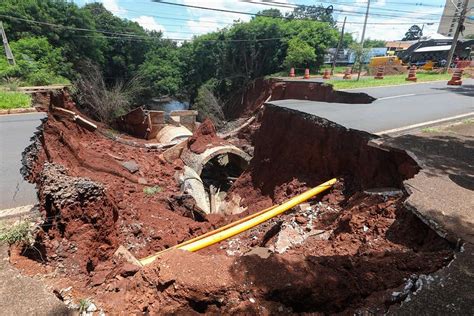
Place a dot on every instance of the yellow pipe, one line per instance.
(215, 231)
(237, 229)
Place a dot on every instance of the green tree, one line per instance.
(37, 62)
(162, 70)
(313, 12)
(370, 43)
(299, 53)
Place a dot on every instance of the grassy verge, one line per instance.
(13, 100)
(387, 81)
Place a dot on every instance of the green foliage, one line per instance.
(207, 104)
(162, 70)
(37, 62)
(152, 190)
(13, 100)
(299, 53)
(370, 43)
(84, 303)
(313, 12)
(20, 233)
(105, 102)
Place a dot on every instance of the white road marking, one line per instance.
(396, 96)
(404, 128)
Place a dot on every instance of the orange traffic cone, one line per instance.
(456, 79)
(347, 74)
(327, 74)
(306, 73)
(292, 72)
(412, 74)
(379, 74)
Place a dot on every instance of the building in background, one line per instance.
(450, 18)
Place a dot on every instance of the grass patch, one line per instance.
(20, 233)
(152, 190)
(365, 82)
(13, 100)
(430, 130)
(337, 69)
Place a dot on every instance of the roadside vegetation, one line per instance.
(13, 100)
(20, 233)
(365, 82)
(207, 71)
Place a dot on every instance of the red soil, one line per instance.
(204, 136)
(92, 204)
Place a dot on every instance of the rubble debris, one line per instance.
(131, 165)
(142, 123)
(186, 118)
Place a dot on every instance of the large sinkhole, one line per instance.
(354, 249)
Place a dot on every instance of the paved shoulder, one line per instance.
(15, 133)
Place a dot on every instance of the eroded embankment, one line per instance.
(262, 90)
(344, 251)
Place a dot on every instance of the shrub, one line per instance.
(21, 234)
(207, 104)
(105, 103)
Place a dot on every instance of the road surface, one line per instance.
(395, 107)
(15, 133)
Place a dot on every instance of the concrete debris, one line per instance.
(171, 133)
(131, 165)
(124, 254)
(288, 237)
(384, 191)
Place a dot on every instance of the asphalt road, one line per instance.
(395, 107)
(15, 133)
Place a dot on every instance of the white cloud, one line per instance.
(204, 21)
(149, 23)
(112, 6)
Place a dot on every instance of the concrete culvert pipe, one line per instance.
(172, 133)
(213, 173)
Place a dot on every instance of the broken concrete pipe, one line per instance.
(171, 133)
(212, 200)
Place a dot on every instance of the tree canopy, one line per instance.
(414, 33)
(54, 38)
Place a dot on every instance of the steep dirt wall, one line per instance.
(260, 90)
(295, 149)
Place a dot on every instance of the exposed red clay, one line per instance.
(262, 90)
(357, 250)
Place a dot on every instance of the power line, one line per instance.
(265, 15)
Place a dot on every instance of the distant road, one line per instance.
(15, 133)
(395, 107)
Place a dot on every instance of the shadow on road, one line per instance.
(467, 89)
(451, 155)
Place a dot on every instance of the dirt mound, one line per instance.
(204, 137)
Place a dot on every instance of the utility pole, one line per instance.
(8, 51)
(362, 39)
(338, 46)
(456, 34)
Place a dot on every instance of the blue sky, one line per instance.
(183, 23)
